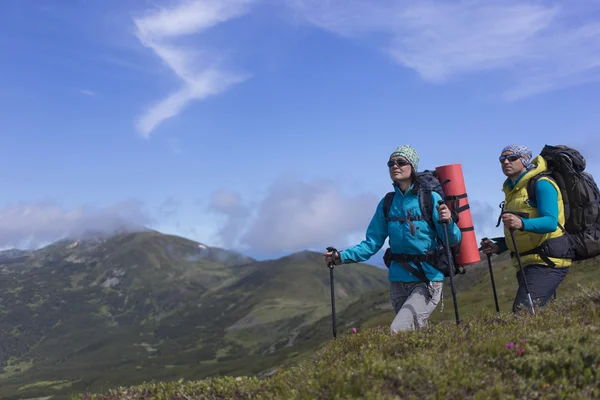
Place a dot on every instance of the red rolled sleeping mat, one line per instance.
(456, 199)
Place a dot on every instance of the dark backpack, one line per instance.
(580, 195)
(427, 182)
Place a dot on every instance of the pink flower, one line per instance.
(353, 330)
(510, 345)
(520, 351)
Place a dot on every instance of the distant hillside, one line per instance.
(13, 255)
(94, 313)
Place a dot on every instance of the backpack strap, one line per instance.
(387, 203)
(404, 261)
(531, 190)
(531, 186)
(538, 251)
(426, 204)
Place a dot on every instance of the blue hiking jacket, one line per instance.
(410, 237)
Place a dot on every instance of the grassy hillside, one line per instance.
(308, 373)
(474, 296)
(474, 293)
(94, 314)
(299, 284)
(555, 354)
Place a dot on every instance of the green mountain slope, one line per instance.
(299, 284)
(474, 295)
(91, 314)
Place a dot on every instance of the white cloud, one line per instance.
(41, 222)
(237, 214)
(543, 46)
(200, 72)
(296, 215)
(169, 208)
(87, 92)
(485, 218)
(226, 202)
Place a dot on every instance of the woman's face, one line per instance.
(400, 168)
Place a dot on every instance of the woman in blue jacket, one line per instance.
(412, 298)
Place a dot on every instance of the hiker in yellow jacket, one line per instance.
(533, 224)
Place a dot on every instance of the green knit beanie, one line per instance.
(409, 153)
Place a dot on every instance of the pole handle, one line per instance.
(441, 202)
(335, 252)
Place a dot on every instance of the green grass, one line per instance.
(555, 354)
(47, 384)
(15, 368)
(475, 293)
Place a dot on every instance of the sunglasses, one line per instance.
(510, 157)
(399, 162)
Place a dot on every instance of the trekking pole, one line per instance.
(512, 236)
(489, 259)
(330, 265)
(450, 266)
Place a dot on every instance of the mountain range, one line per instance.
(87, 315)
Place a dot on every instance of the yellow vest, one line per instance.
(517, 200)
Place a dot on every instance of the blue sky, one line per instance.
(264, 125)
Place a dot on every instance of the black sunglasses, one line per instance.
(510, 157)
(399, 162)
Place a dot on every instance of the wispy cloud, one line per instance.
(237, 214)
(201, 73)
(485, 218)
(544, 46)
(169, 208)
(33, 224)
(294, 215)
(87, 92)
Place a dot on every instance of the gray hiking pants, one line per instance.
(412, 304)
